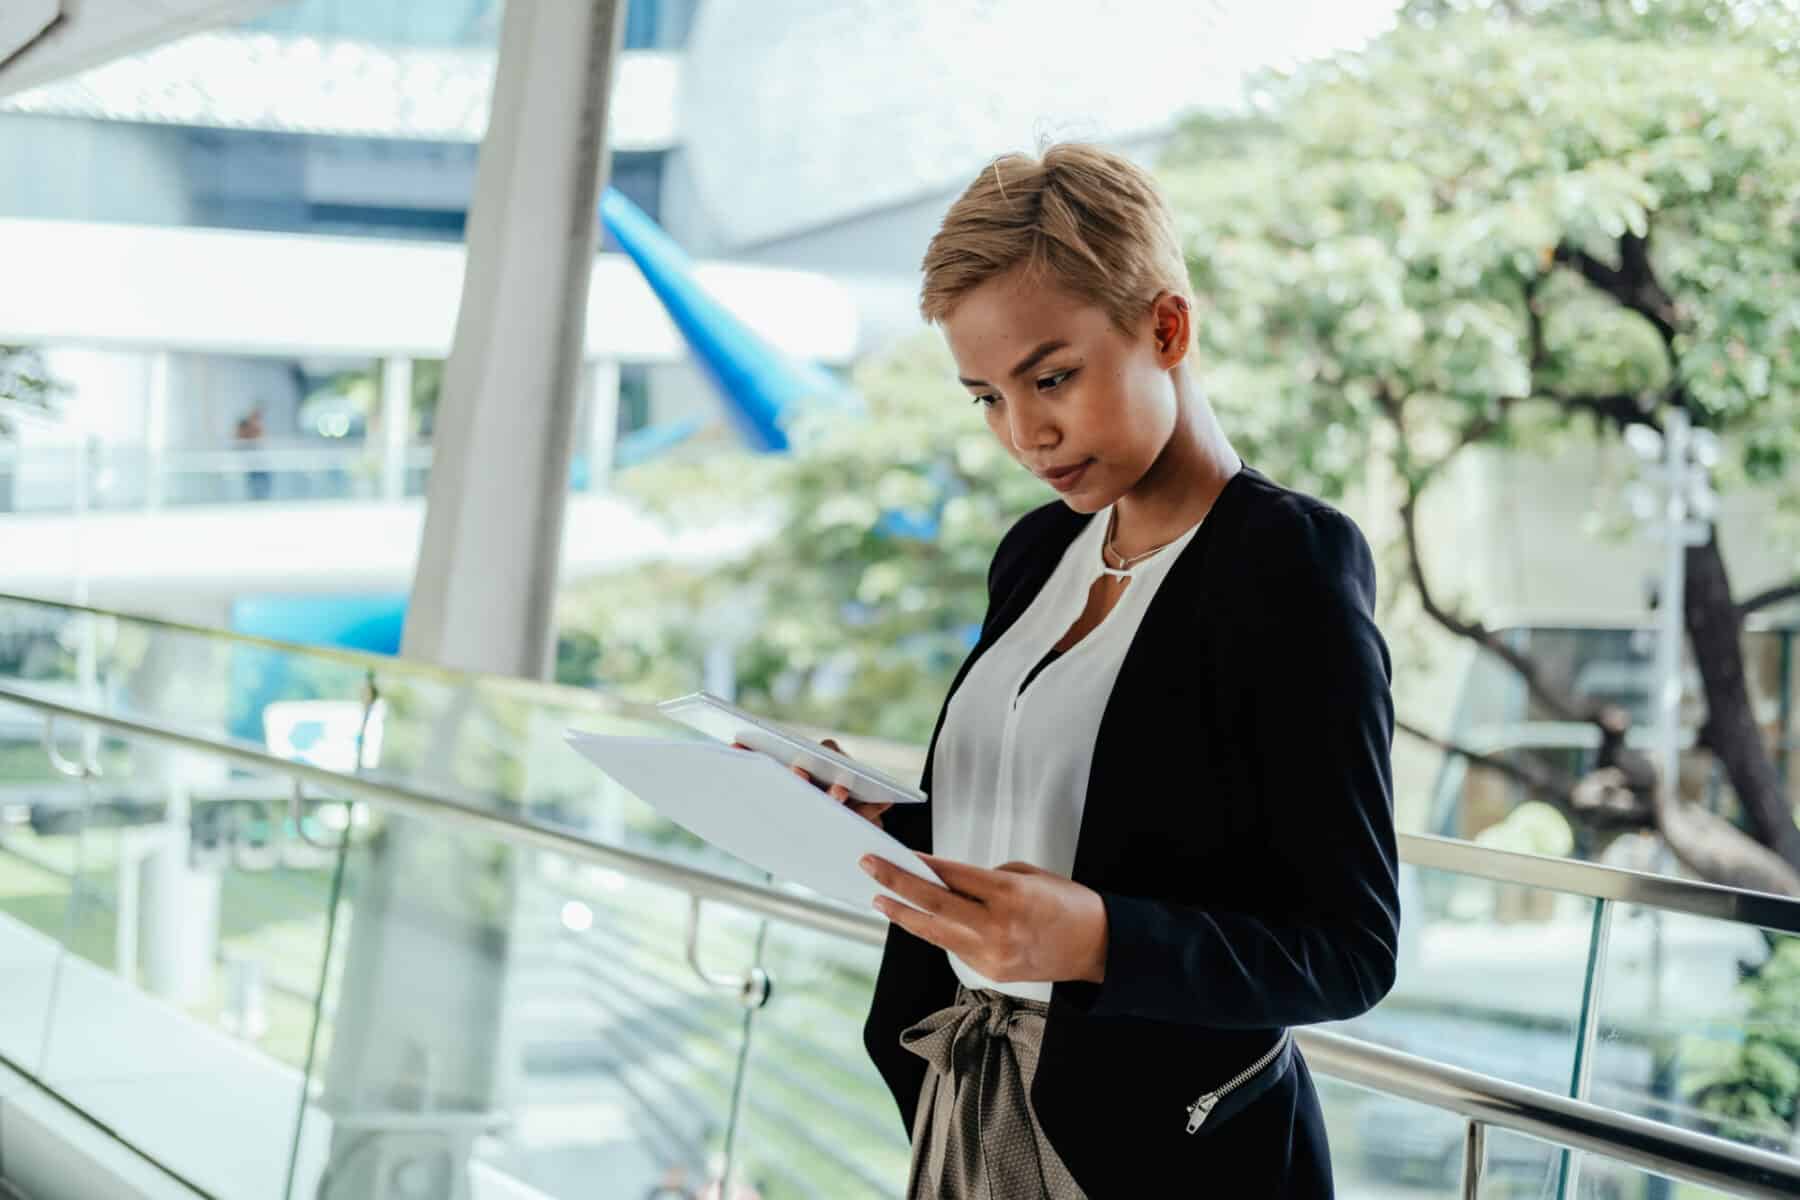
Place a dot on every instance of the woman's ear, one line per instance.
(1171, 324)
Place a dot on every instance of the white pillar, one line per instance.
(484, 593)
(422, 1021)
(396, 425)
(603, 421)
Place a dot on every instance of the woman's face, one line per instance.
(1082, 405)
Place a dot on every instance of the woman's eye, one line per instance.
(1050, 382)
(987, 400)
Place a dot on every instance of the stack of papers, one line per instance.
(754, 808)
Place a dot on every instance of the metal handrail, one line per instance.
(882, 752)
(1483, 1099)
(1598, 881)
(366, 659)
(776, 903)
(1592, 880)
(1577, 1124)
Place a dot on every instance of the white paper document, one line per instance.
(751, 806)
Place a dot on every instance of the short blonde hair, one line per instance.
(1082, 218)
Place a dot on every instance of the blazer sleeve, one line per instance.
(1320, 942)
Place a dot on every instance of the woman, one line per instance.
(1159, 788)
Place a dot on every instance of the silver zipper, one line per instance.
(1202, 1108)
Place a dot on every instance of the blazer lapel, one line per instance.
(1164, 641)
(1173, 607)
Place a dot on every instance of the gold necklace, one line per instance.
(1125, 564)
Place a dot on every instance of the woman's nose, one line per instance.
(1030, 427)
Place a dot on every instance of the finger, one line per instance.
(925, 926)
(963, 877)
(909, 919)
(840, 793)
(868, 812)
(921, 892)
(832, 742)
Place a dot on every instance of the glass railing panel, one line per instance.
(52, 904)
(817, 1118)
(1519, 1168)
(1491, 978)
(515, 1009)
(488, 742)
(1384, 1148)
(183, 1008)
(197, 681)
(1603, 1179)
(1703, 1017)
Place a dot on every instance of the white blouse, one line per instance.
(1009, 776)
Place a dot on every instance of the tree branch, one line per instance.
(1716, 850)
(1620, 408)
(1769, 598)
(1563, 706)
(1708, 845)
(1632, 283)
(1534, 325)
(1552, 784)
(1733, 732)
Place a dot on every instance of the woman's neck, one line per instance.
(1181, 485)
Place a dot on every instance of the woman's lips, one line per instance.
(1067, 480)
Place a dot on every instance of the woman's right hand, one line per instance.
(869, 810)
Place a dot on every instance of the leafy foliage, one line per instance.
(1380, 232)
(24, 380)
(1754, 1079)
(837, 618)
(1373, 229)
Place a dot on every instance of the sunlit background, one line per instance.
(1517, 285)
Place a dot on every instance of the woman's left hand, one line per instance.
(1011, 922)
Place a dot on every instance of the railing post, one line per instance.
(1474, 1159)
(751, 988)
(1585, 1034)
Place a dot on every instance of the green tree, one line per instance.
(1755, 1079)
(1518, 225)
(24, 381)
(26, 387)
(1512, 225)
(836, 619)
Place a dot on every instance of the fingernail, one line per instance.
(867, 864)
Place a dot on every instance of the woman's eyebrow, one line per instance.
(1025, 364)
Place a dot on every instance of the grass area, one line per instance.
(274, 918)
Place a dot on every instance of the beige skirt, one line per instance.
(975, 1136)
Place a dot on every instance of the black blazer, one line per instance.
(1239, 827)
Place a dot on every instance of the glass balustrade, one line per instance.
(274, 989)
